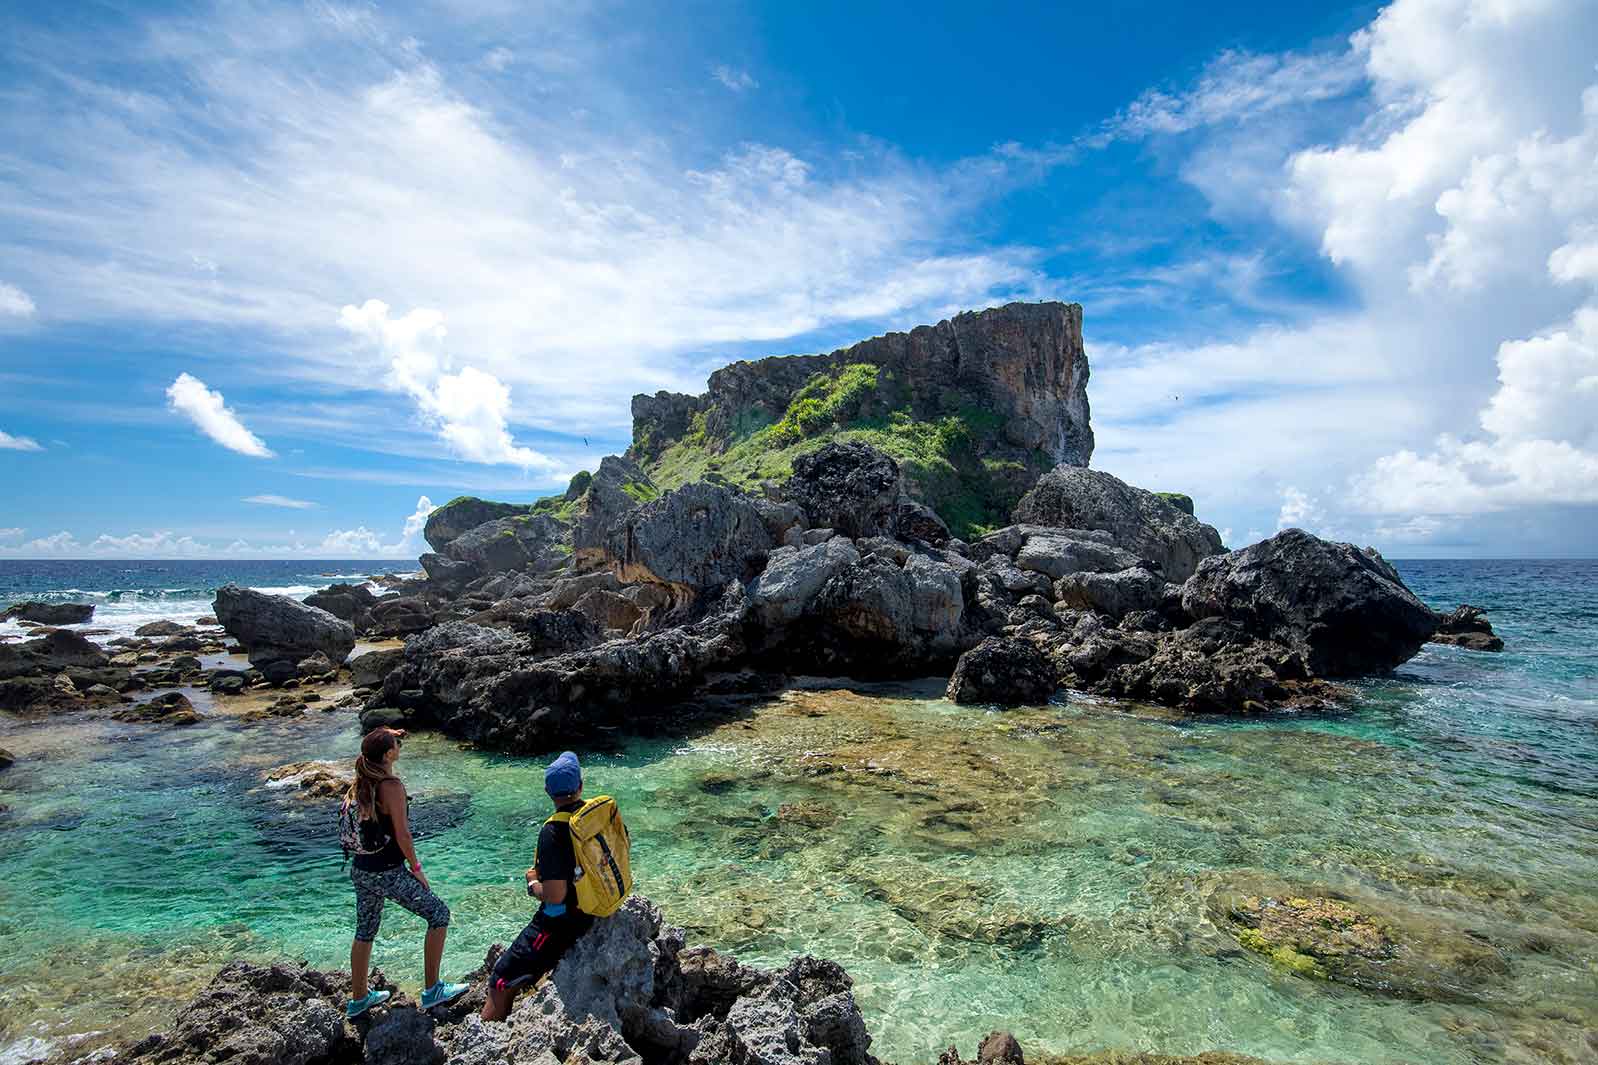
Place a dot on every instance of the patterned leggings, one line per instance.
(397, 884)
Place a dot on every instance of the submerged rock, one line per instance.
(48, 613)
(1346, 610)
(169, 708)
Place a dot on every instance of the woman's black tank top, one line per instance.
(373, 835)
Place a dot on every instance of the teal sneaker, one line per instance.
(442, 994)
(356, 1007)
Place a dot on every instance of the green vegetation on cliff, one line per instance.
(941, 457)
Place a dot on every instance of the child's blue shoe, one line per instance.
(442, 994)
(356, 1007)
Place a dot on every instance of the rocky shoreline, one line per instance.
(631, 992)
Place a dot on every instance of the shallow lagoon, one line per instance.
(1051, 870)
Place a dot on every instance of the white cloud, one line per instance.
(357, 543)
(1237, 86)
(1461, 214)
(733, 78)
(18, 443)
(469, 409)
(1299, 510)
(269, 500)
(189, 396)
(15, 303)
(587, 261)
(499, 59)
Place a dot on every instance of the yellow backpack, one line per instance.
(604, 875)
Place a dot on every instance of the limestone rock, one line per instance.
(1113, 594)
(1467, 626)
(275, 628)
(1346, 610)
(347, 602)
(369, 669)
(50, 653)
(169, 708)
(537, 541)
(1006, 671)
(618, 488)
(1070, 497)
(694, 539)
(48, 613)
(793, 578)
(461, 515)
(851, 487)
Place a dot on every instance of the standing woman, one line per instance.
(380, 872)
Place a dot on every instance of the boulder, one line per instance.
(1000, 1048)
(463, 514)
(917, 521)
(347, 602)
(1057, 553)
(48, 613)
(401, 615)
(446, 572)
(169, 708)
(369, 669)
(1002, 670)
(1072, 497)
(851, 487)
(314, 665)
(49, 654)
(276, 629)
(1113, 594)
(313, 780)
(794, 576)
(694, 539)
(1345, 610)
(7, 759)
(608, 610)
(162, 628)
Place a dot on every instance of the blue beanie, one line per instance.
(564, 776)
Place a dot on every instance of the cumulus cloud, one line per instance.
(1461, 212)
(15, 303)
(18, 443)
(11, 534)
(469, 409)
(733, 78)
(189, 397)
(269, 500)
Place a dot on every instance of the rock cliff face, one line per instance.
(974, 408)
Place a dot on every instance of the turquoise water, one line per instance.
(1053, 870)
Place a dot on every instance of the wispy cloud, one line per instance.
(269, 500)
(18, 443)
(189, 397)
(736, 79)
(15, 303)
(1238, 86)
(261, 141)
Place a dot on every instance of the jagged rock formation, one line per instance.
(1345, 610)
(975, 408)
(1467, 626)
(1144, 523)
(630, 991)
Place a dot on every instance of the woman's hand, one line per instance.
(416, 871)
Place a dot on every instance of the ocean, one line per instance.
(1063, 871)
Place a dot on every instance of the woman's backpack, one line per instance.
(604, 876)
(351, 836)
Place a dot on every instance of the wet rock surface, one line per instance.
(1005, 671)
(48, 613)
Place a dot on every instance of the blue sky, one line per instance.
(274, 278)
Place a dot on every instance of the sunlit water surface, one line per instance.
(1046, 870)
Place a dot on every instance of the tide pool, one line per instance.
(1058, 871)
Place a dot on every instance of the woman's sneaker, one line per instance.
(442, 994)
(355, 1007)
